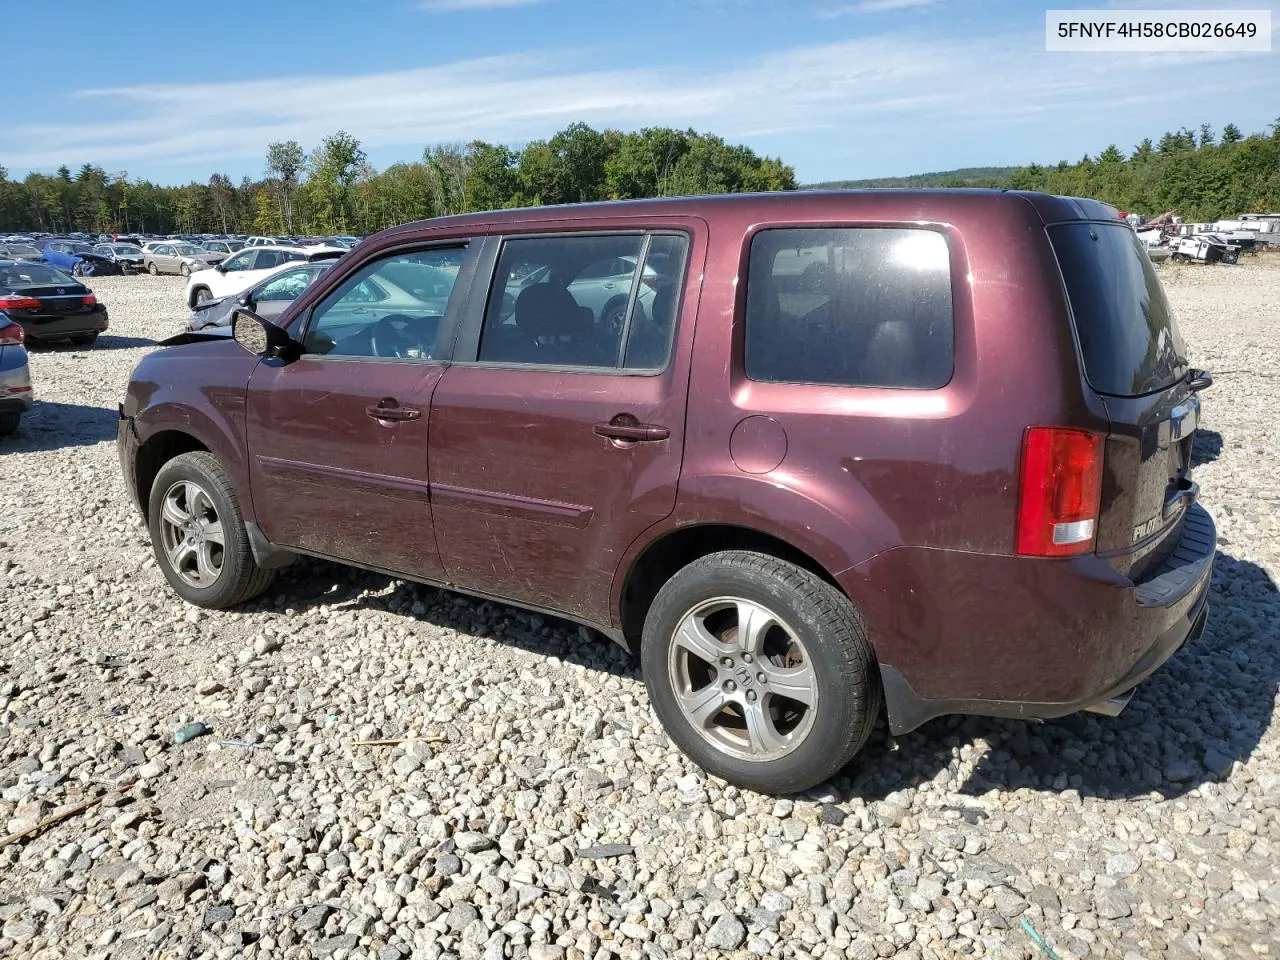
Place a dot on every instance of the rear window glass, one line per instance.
(1129, 341)
(867, 307)
(32, 275)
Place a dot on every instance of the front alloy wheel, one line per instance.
(200, 538)
(742, 678)
(192, 535)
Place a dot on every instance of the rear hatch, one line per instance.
(1135, 361)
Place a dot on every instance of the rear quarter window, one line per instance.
(868, 307)
(1128, 339)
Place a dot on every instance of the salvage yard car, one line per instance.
(49, 305)
(928, 452)
(247, 266)
(16, 395)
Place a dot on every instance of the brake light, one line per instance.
(12, 335)
(1060, 489)
(649, 281)
(14, 301)
(89, 300)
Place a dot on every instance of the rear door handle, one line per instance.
(390, 410)
(636, 432)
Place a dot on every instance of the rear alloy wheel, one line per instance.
(199, 537)
(760, 671)
(151, 269)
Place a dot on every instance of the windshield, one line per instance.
(186, 249)
(125, 248)
(32, 275)
(78, 248)
(1128, 338)
(21, 250)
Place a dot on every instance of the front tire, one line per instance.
(199, 536)
(760, 671)
(151, 269)
(184, 270)
(200, 295)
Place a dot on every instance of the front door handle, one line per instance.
(634, 432)
(390, 410)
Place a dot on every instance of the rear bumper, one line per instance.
(16, 394)
(53, 327)
(1062, 638)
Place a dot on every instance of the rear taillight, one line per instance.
(89, 301)
(13, 301)
(1059, 491)
(11, 335)
(650, 282)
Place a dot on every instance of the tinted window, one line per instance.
(575, 301)
(239, 262)
(1128, 339)
(866, 307)
(32, 275)
(390, 308)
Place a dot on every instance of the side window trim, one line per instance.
(637, 277)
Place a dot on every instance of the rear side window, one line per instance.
(859, 307)
(1128, 339)
(604, 301)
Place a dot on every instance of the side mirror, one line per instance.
(220, 267)
(262, 337)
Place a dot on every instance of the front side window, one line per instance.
(391, 308)
(585, 301)
(863, 307)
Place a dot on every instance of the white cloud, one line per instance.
(872, 6)
(448, 6)
(869, 96)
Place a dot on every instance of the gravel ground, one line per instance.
(539, 810)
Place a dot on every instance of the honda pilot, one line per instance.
(816, 458)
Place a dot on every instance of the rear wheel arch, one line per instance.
(672, 551)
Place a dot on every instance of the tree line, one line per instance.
(1196, 173)
(335, 190)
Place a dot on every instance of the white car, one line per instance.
(264, 242)
(243, 269)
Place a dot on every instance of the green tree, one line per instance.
(285, 161)
(1231, 134)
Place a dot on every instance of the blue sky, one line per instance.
(838, 88)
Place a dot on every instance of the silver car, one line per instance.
(126, 254)
(182, 258)
(16, 394)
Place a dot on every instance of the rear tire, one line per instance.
(811, 630)
(85, 339)
(9, 423)
(194, 487)
(151, 269)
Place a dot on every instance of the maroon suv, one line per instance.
(813, 456)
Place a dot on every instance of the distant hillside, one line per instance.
(964, 177)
